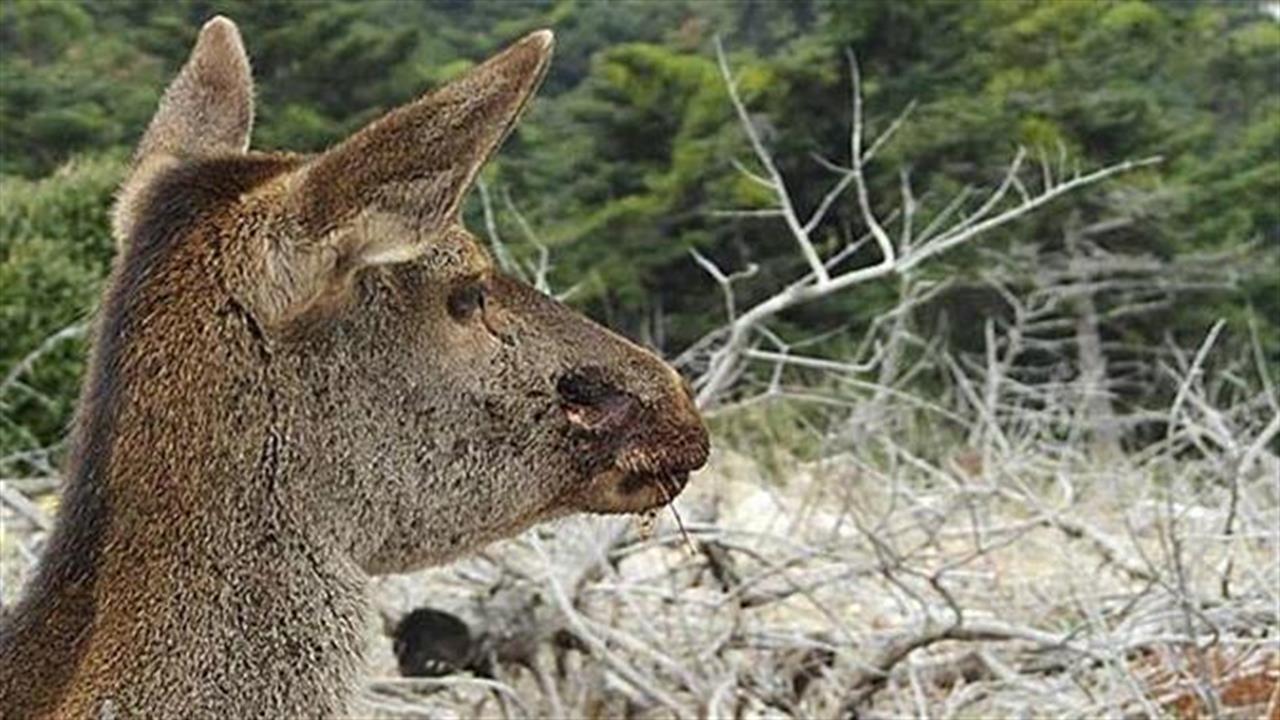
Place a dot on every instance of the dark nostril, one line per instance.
(592, 403)
(586, 389)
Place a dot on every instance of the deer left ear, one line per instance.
(208, 108)
(206, 111)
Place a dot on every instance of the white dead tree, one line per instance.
(1058, 301)
(722, 355)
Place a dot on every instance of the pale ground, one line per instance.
(1063, 589)
(1050, 626)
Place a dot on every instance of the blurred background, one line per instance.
(962, 482)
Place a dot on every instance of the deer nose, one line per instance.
(594, 404)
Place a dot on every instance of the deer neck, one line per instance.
(139, 608)
(180, 574)
(231, 614)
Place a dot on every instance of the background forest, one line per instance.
(1121, 341)
(630, 150)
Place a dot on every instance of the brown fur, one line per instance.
(294, 386)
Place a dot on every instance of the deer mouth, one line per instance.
(634, 457)
(617, 491)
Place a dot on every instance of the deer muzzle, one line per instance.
(642, 452)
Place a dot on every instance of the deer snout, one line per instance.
(648, 444)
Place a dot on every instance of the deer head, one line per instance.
(307, 366)
(433, 402)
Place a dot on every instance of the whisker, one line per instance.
(670, 502)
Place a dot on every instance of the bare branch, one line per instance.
(727, 346)
(23, 366)
(775, 180)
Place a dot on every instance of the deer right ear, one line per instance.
(414, 165)
(392, 190)
(206, 111)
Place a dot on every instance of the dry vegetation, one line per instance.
(908, 533)
(936, 559)
(1016, 569)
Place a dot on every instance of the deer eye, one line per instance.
(466, 300)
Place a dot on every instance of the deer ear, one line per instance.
(207, 110)
(417, 162)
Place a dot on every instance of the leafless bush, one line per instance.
(1012, 572)
(718, 360)
(990, 565)
(970, 550)
(988, 549)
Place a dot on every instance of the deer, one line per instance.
(305, 373)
